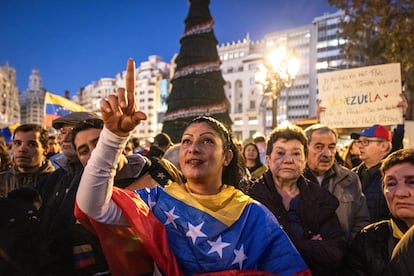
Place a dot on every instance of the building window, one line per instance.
(253, 105)
(253, 121)
(252, 66)
(252, 80)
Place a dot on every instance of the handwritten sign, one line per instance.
(361, 97)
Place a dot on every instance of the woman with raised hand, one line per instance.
(205, 225)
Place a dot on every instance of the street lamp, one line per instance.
(278, 71)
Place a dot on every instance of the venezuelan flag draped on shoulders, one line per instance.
(189, 234)
(57, 106)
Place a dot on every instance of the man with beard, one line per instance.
(344, 184)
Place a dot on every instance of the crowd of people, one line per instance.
(93, 201)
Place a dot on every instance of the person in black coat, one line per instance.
(305, 211)
(67, 247)
(20, 232)
(371, 249)
(401, 262)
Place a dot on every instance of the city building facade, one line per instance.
(298, 101)
(151, 89)
(9, 106)
(32, 101)
(329, 44)
(239, 61)
(251, 107)
(151, 86)
(90, 95)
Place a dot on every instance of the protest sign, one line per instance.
(361, 97)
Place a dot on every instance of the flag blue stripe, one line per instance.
(57, 110)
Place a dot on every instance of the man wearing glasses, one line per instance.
(374, 145)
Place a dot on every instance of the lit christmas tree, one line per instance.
(197, 84)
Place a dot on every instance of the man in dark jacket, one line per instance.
(19, 190)
(342, 183)
(20, 232)
(29, 148)
(374, 145)
(67, 247)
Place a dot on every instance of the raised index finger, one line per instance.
(130, 86)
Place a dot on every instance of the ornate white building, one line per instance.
(239, 61)
(32, 100)
(251, 110)
(9, 106)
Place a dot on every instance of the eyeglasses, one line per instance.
(366, 142)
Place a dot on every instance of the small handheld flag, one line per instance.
(57, 106)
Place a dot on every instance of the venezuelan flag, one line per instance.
(188, 234)
(83, 256)
(57, 106)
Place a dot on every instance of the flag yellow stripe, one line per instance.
(227, 206)
(62, 101)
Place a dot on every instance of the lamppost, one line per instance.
(278, 71)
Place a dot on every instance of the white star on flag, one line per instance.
(151, 203)
(240, 257)
(217, 246)
(161, 175)
(171, 217)
(194, 232)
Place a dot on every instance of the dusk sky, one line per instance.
(76, 42)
